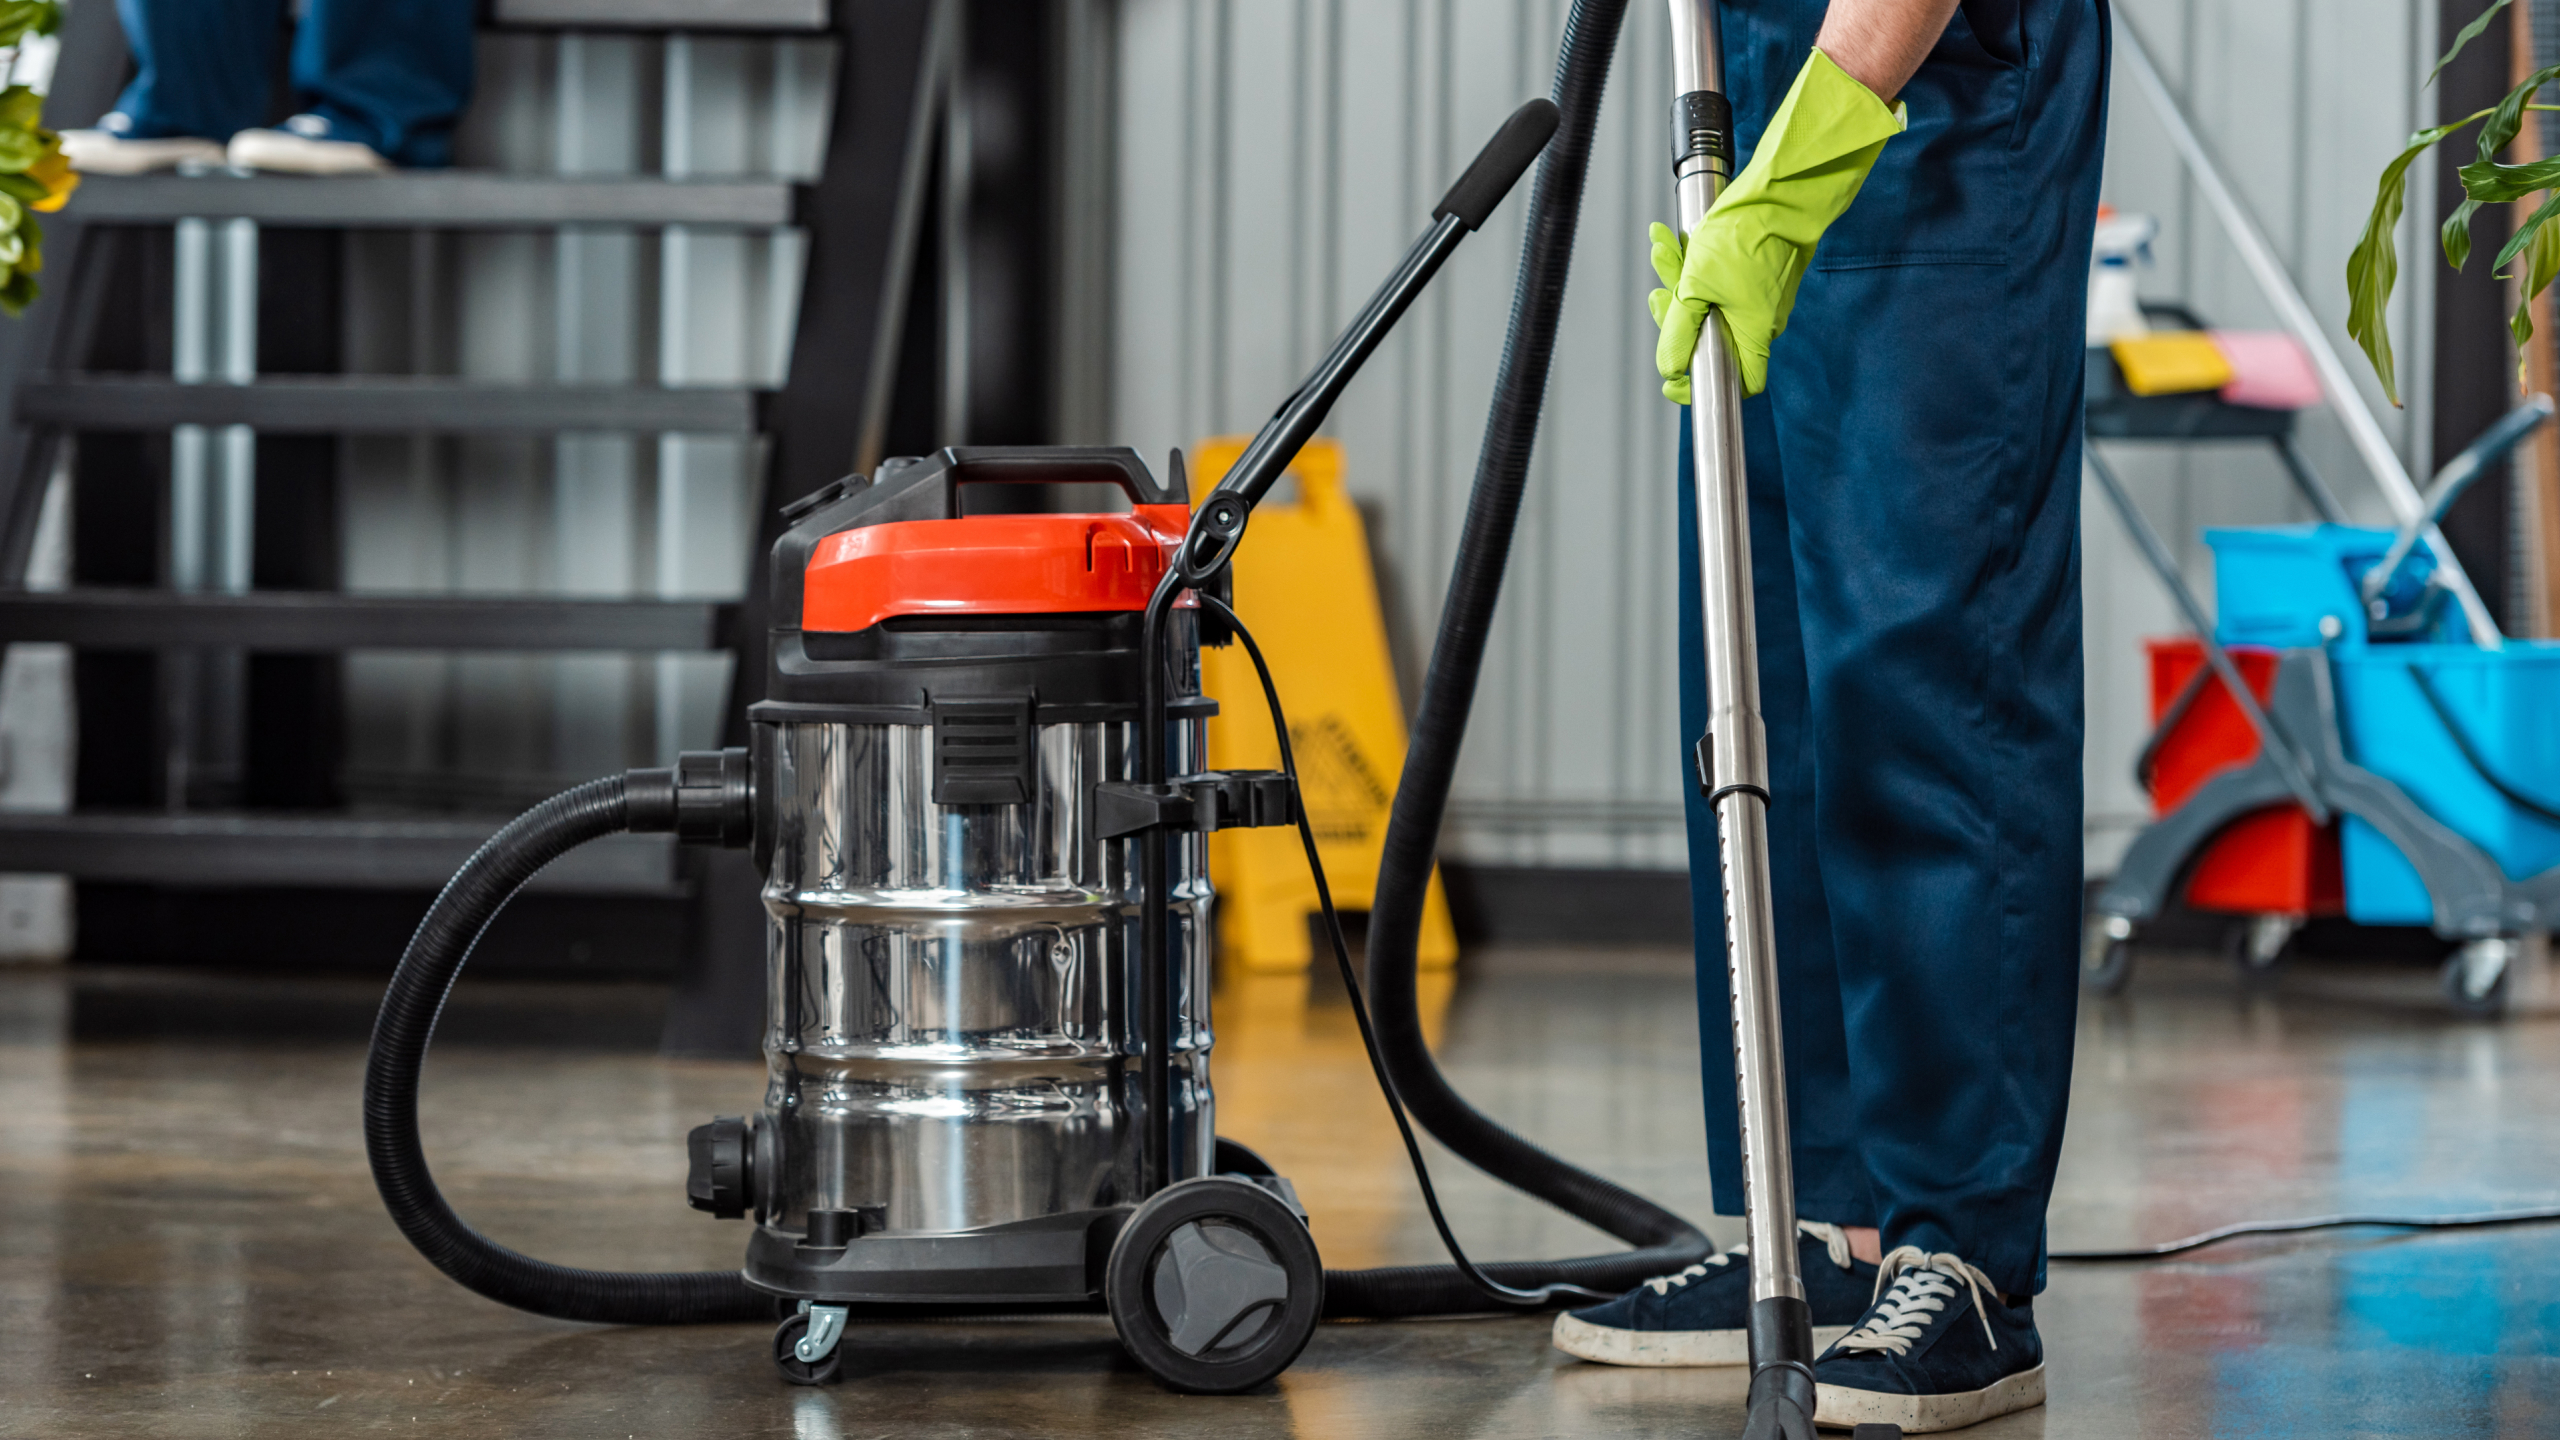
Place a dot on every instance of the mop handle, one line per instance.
(1733, 764)
(2451, 481)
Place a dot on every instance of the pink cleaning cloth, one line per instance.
(2269, 370)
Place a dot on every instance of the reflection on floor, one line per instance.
(189, 1245)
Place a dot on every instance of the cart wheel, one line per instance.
(2257, 945)
(786, 1358)
(1214, 1285)
(1234, 1159)
(2475, 978)
(2106, 955)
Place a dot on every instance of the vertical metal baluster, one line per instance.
(675, 345)
(190, 363)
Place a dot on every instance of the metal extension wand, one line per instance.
(1733, 767)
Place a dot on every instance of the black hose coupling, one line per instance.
(708, 798)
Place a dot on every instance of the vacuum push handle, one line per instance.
(1733, 766)
(1217, 527)
(1496, 168)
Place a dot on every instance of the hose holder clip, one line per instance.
(1214, 800)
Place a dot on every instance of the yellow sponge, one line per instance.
(2171, 362)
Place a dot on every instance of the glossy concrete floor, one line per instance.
(189, 1244)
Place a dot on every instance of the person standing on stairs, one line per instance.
(377, 85)
(1912, 451)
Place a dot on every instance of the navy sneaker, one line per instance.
(1697, 1316)
(1938, 1352)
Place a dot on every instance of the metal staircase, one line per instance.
(860, 216)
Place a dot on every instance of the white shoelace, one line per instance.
(1922, 1284)
(1833, 1238)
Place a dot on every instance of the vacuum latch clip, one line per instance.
(1214, 800)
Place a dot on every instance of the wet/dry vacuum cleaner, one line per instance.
(975, 795)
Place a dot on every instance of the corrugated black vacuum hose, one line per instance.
(1666, 1241)
(400, 1034)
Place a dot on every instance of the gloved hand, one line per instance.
(1746, 257)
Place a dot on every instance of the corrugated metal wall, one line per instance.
(1275, 157)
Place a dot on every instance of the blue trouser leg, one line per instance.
(393, 74)
(1914, 481)
(202, 65)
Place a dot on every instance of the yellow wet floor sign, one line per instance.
(1304, 583)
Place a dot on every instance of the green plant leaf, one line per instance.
(2457, 230)
(2543, 265)
(2468, 34)
(21, 18)
(2373, 267)
(2526, 232)
(2507, 116)
(21, 107)
(2493, 183)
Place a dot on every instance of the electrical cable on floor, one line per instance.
(1542, 1296)
(2319, 1222)
(1549, 1294)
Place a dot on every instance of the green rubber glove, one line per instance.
(1746, 257)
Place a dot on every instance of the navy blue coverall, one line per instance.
(1914, 472)
(392, 74)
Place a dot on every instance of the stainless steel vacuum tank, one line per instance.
(952, 1032)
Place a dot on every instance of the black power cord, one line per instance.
(1549, 1294)
(2319, 1222)
(1506, 1295)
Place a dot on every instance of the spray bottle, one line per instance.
(2121, 240)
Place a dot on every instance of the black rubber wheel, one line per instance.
(1231, 1158)
(1214, 1286)
(786, 1359)
(2488, 1004)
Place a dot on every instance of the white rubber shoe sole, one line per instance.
(291, 154)
(95, 152)
(1842, 1408)
(1611, 1346)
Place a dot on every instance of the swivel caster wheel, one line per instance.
(808, 1348)
(2476, 978)
(2106, 955)
(1214, 1285)
(2259, 944)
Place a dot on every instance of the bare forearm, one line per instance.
(1882, 42)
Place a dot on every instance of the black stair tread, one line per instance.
(292, 621)
(391, 404)
(317, 850)
(766, 16)
(438, 199)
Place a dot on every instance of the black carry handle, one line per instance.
(1500, 164)
(1057, 465)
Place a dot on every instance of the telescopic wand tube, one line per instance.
(1733, 767)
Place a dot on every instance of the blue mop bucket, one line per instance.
(2278, 584)
(2450, 724)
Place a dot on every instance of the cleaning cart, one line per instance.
(2343, 738)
